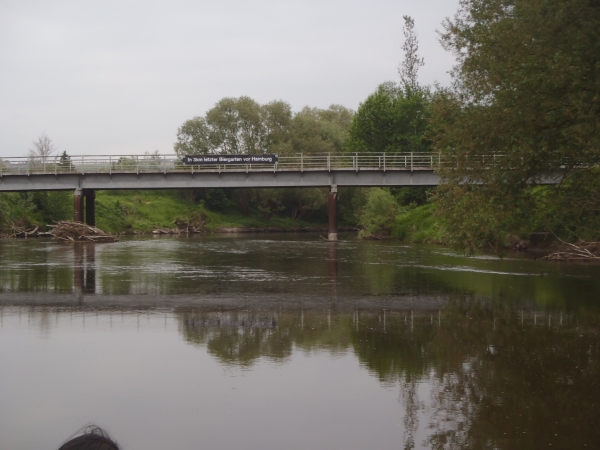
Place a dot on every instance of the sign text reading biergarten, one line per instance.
(198, 160)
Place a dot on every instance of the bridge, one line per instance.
(87, 173)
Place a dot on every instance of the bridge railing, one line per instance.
(168, 163)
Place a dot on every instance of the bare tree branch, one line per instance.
(42, 150)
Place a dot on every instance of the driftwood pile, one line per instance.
(67, 230)
(582, 251)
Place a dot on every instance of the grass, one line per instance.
(418, 225)
(144, 211)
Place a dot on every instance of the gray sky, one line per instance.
(119, 77)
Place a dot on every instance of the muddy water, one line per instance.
(287, 341)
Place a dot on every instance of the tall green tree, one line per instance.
(237, 126)
(395, 117)
(315, 130)
(409, 67)
(524, 106)
(392, 119)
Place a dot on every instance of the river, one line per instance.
(288, 341)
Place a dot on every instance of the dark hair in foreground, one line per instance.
(90, 438)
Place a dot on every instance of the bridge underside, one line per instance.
(85, 185)
(186, 180)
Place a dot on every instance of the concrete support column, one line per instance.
(78, 205)
(90, 207)
(332, 208)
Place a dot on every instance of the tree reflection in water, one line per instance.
(498, 377)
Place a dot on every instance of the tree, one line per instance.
(395, 117)
(42, 149)
(409, 67)
(237, 126)
(391, 120)
(378, 214)
(523, 107)
(315, 130)
(65, 162)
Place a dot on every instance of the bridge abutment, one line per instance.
(332, 212)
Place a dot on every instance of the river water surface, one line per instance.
(289, 342)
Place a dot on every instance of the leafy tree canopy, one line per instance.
(392, 119)
(395, 117)
(241, 125)
(524, 105)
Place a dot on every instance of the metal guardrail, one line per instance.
(83, 164)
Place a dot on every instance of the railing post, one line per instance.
(301, 162)
(384, 161)
(165, 163)
(328, 162)
(356, 161)
(110, 164)
(411, 161)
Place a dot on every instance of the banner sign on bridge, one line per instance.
(199, 160)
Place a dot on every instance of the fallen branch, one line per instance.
(582, 251)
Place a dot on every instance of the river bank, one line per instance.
(30, 214)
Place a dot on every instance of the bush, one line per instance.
(417, 224)
(378, 214)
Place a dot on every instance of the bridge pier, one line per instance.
(332, 209)
(90, 206)
(78, 205)
(84, 204)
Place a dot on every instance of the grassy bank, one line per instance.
(136, 211)
(144, 211)
(417, 224)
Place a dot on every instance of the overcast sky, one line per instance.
(119, 77)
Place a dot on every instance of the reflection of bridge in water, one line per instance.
(87, 291)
